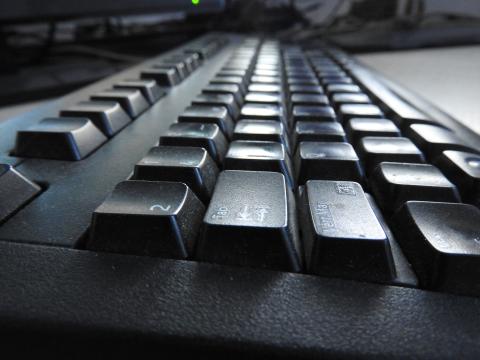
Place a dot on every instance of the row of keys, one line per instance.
(85, 126)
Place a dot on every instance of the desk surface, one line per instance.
(447, 77)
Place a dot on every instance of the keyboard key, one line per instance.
(190, 165)
(261, 72)
(263, 98)
(226, 100)
(225, 89)
(326, 80)
(149, 88)
(393, 184)
(358, 128)
(313, 113)
(318, 131)
(15, 191)
(305, 89)
(179, 67)
(59, 138)
(265, 88)
(302, 81)
(147, 218)
(232, 72)
(434, 139)
(132, 101)
(342, 236)
(228, 80)
(209, 114)
(350, 98)
(163, 76)
(327, 161)
(441, 241)
(262, 112)
(463, 169)
(108, 116)
(207, 136)
(258, 79)
(250, 222)
(343, 88)
(349, 111)
(375, 149)
(262, 130)
(308, 99)
(259, 156)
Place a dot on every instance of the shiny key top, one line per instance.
(305, 89)
(358, 128)
(207, 136)
(393, 184)
(163, 76)
(372, 150)
(313, 113)
(342, 236)
(15, 191)
(209, 114)
(327, 161)
(442, 242)
(108, 116)
(263, 130)
(349, 111)
(190, 165)
(131, 100)
(212, 99)
(149, 88)
(308, 99)
(262, 112)
(60, 138)
(251, 221)
(225, 89)
(263, 98)
(318, 131)
(259, 156)
(147, 218)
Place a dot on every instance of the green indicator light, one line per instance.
(195, 2)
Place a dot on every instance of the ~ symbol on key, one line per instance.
(161, 207)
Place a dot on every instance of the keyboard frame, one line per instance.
(54, 290)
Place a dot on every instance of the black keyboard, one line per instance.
(241, 196)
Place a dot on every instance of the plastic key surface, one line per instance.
(442, 242)
(108, 116)
(342, 236)
(358, 128)
(393, 184)
(262, 112)
(209, 114)
(207, 136)
(163, 76)
(190, 165)
(313, 113)
(15, 190)
(131, 100)
(213, 99)
(251, 222)
(147, 218)
(318, 131)
(149, 88)
(59, 138)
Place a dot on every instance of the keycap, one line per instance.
(132, 101)
(60, 138)
(318, 131)
(350, 98)
(308, 99)
(190, 165)
(15, 191)
(108, 116)
(393, 184)
(262, 112)
(462, 169)
(228, 80)
(326, 80)
(225, 89)
(358, 128)
(263, 130)
(250, 222)
(313, 113)
(147, 218)
(179, 67)
(261, 72)
(259, 156)
(433, 140)
(342, 88)
(265, 88)
(163, 76)
(291, 80)
(149, 88)
(212, 99)
(326, 161)
(342, 236)
(349, 111)
(260, 79)
(232, 72)
(263, 98)
(372, 150)
(442, 242)
(305, 89)
(207, 136)
(209, 114)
